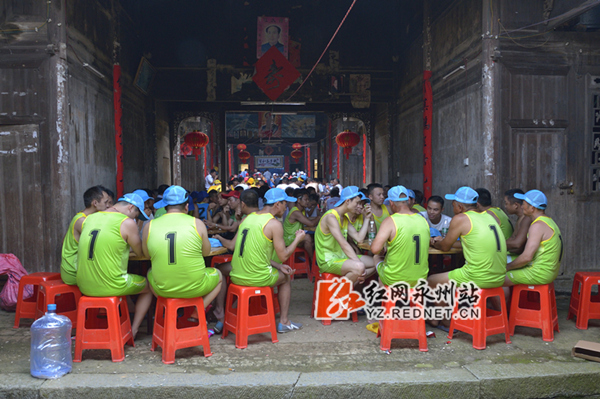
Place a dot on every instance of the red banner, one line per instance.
(118, 127)
(274, 73)
(427, 120)
(364, 158)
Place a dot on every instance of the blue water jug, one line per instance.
(51, 345)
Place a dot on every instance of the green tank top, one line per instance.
(384, 214)
(175, 248)
(327, 247)
(484, 248)
(68, 264)
(251, 263)
(289, 229)
(103, 255)
(159, 212)
(358, 222)
(419, 208)
(408, 252)
(506, 226)
(549, 254)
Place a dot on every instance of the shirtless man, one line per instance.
(334, 253)
(94, 199)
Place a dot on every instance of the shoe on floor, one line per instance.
(282, 328)
(218, 328)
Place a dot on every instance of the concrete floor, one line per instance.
(341, 360)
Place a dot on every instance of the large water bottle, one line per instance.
(372, 232)
(51, 345)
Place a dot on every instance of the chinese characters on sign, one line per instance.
(336, 299)
(274, 73)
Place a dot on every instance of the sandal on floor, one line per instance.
(218, 329)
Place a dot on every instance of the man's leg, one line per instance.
(284, 292)
(354, 270)
(307, 244)
(208, 298)
(370, 264)
(219, 311)
(433, 281)
(141, 308)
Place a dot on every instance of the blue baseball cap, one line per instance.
(136, 200)
(275, 195)
(173, 195)
(143, 194)
(411, 193)
(394, 194)
(464, 195)
(349, 193)
(535, 198)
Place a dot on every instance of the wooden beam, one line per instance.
(572, 13)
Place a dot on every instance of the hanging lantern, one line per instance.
(196, 140)
(241, 147)
(268, 150)
(244, 155)
(296, 146)
(347, 140)
(296, 154)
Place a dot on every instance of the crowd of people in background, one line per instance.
(263, 217)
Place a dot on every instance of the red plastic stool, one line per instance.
(301, 266)
(172, 333)
(325, 297)
(241, 321)
(26, 308)
(529, 309)
(258, 305)
(491, 322)
(218, 259)
(583, 304)
(401, 329)
(94, 332)
(64, 296)
(314, 270)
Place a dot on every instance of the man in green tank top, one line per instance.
(483, 244)
(95, 199)
(379, 210)
(334, 254)
(259, 235)
(484, 204)
(177, 244)
(514, 206)
(407, 236)
(540, 261)
(104, 254)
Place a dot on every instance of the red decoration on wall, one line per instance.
(297, 154)
(296, 146)
(241, 147)
(347, 140)
(274, 73)
(308, 161)
(244, 155)
(364, 158)
(268, 150)
(197, 141)
(229, 151)
(185, 150)
(427, 119)
(118, 127)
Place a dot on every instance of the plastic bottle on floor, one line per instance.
(50, 356)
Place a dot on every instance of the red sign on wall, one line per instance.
(274, 73)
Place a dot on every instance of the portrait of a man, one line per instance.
(272, 31)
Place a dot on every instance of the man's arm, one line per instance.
(358, 236)
(204, 235)
(460, 224)
(536, 232)
(516, 243)
(274, 231)
(77, 228)
(229, 244)
(145, 240)
(334, 229)
(131, 235)
(297, 216)
(383, 235)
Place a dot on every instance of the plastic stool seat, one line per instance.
(401, 329)
(491, 322)
(583, 304)
(325, 298)
(534, 310)
(296, 263)
(112, 332)
(218, 259)
(242, 321)
(313, 271)
(63, 295)
(26, 308)
(172, 332)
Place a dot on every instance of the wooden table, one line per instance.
(212, 232)
(213, 251)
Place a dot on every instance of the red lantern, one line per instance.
(196, 140)
(268, 150)
(297, 146)
(244, 155)
(347, 140)
(296, 154)
(241, 147)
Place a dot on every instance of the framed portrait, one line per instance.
(272, 31)
(144, 76)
